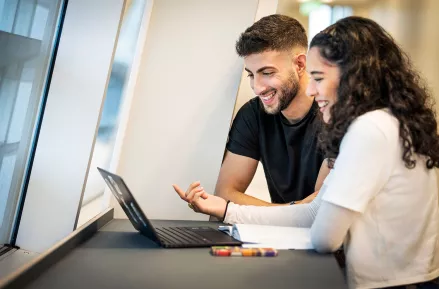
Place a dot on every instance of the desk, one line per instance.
(116, 256)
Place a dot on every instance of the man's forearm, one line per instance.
(243, 199)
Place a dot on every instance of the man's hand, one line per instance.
(308, 199)
(202, 202)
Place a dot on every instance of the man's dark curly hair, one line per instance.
(274, 32)
(375, 73)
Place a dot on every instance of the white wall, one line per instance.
(183, 101)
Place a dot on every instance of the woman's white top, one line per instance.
(386, 214)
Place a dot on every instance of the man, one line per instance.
(279, 127)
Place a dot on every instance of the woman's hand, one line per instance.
(202, 202)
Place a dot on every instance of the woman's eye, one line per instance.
(250, 75)
(318, 79)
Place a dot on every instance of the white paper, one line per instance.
(254, 236)
(278, 246)
(226, 229)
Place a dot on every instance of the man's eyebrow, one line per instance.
(265, 67)
(260, 69)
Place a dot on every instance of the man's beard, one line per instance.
(287, 94)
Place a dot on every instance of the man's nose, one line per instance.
(259, 87)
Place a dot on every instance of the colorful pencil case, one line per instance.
(243, 252)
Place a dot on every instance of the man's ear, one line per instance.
(300, 62)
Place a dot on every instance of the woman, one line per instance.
(381, 198)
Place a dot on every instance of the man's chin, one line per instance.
(271, 109)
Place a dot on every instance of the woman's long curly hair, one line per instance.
(375, 73)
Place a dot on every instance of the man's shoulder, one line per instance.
(251, 106)
(250, 113)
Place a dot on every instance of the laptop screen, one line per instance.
(128, 203)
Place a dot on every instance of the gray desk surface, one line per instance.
(119, 257)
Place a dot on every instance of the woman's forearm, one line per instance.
(301, 215)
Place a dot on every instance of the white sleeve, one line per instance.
(362, 167)
(300, 215)
(331, 226)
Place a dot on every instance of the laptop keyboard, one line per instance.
(180, 236)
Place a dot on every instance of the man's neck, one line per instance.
(300, 105)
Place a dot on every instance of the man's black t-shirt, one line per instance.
(288, 152)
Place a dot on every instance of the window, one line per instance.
(93, 201)
(27, 34)
(322, 15)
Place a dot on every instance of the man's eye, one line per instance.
(318, 79)
(267, 73)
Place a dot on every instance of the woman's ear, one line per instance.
(300, 62)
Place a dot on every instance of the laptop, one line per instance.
(167, 237)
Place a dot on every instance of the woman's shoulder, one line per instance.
(380, 119)
(378, 116)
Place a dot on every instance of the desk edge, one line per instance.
(31, 270)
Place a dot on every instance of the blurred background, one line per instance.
(413, 23)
